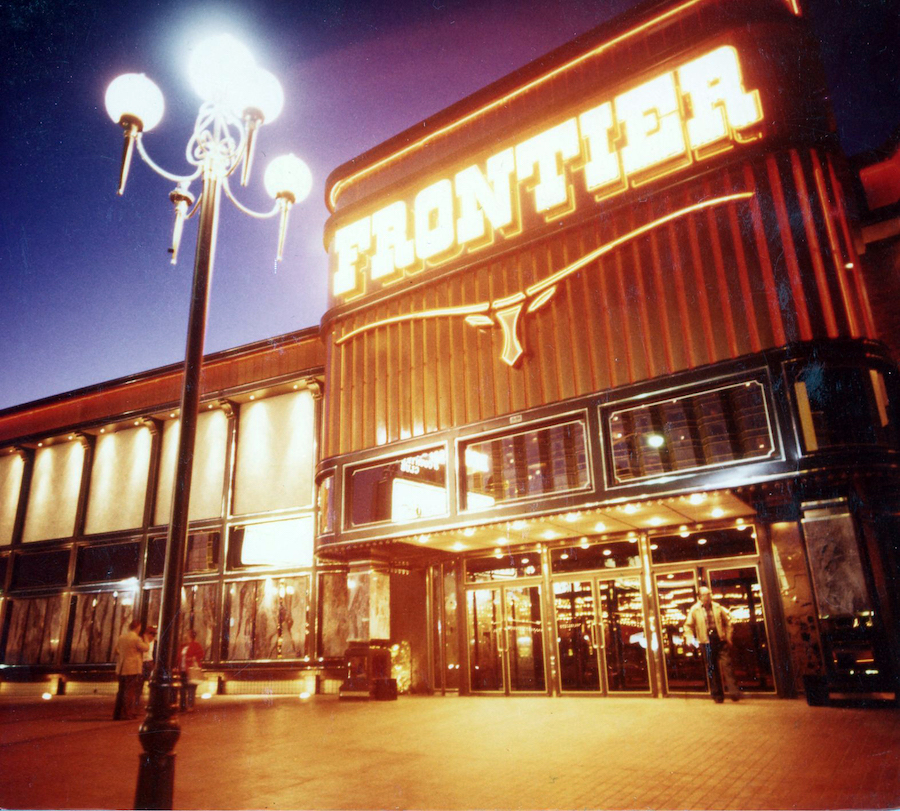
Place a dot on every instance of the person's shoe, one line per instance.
(718, 699)
(735, 698)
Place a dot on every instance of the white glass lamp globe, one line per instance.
(262, 92)
(288, 176)
(134, 96)
(218, 67)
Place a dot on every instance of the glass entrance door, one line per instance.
(506, 640)
(601, 635)
(738, 590)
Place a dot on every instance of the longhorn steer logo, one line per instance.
(505, 312)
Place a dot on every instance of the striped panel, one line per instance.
(710, 286)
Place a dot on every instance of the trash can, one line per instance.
(369, 671)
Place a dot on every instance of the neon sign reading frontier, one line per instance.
(662, 125)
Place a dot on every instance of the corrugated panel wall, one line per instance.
(713, 285)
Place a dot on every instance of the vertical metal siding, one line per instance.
(714, 285)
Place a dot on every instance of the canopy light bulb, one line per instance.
(288, 176)
(132, 98)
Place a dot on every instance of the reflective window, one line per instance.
(403, 489)
(107, 562)
(202, 553)
(843, 406)
(326, 505)
(266, 619)
(685, 670)
(503, 567)
(697, 544)
(41, 569)
(521, 465)
(197, 613)
(593, 555)
(696, 431)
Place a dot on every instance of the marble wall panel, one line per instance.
(358, 607)
(240, 616)
(335, 625)
(34, 631)
(99, 619)
(200, 614)
(379, 605)
(796, 600)
(295, 617)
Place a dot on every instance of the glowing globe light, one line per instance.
(259, 92)
(288, 176)
(134, 96)
(219, 68)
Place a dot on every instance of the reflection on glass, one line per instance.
(625, 642)
(576, 636)
(586, 556)
(704, 544)
(525, 639)
(711, 428)
(451, 631)
(505, 567)
(399, 490)
(485, 664)
(552, 459)
(685, 671)
(738, 590)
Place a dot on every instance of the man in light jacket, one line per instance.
(130, 649)
(709, 625)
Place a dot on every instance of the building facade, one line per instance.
(598, 334)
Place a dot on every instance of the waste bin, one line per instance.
(369, 671)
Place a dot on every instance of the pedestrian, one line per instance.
(191, 670)
(709, 625)
(129, 668)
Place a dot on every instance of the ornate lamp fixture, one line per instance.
(238, 98)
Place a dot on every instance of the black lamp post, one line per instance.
(238, 98)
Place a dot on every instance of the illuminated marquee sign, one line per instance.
(662, 125)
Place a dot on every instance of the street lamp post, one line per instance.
(238, 98)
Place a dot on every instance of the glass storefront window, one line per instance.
(326, 505)
(692, 432)
(685, 669)
(202, 553)
(503, 567)
(34, 631)
(516, 466)
(593, 555)
(402, 489)
(703, 544)
(106, 562)
(266, 619)
(843, 406)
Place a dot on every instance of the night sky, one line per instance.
(87, 293)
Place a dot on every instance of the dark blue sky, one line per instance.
(86, 290)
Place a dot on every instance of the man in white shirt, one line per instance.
(709, 625)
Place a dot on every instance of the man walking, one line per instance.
(130, 648)
(709, 624)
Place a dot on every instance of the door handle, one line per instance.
(595, 636)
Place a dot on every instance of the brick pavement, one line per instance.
(462, 753)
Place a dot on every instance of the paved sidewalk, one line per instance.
(463, 753)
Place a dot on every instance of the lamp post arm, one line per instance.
(259, 215)
(159, 170)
